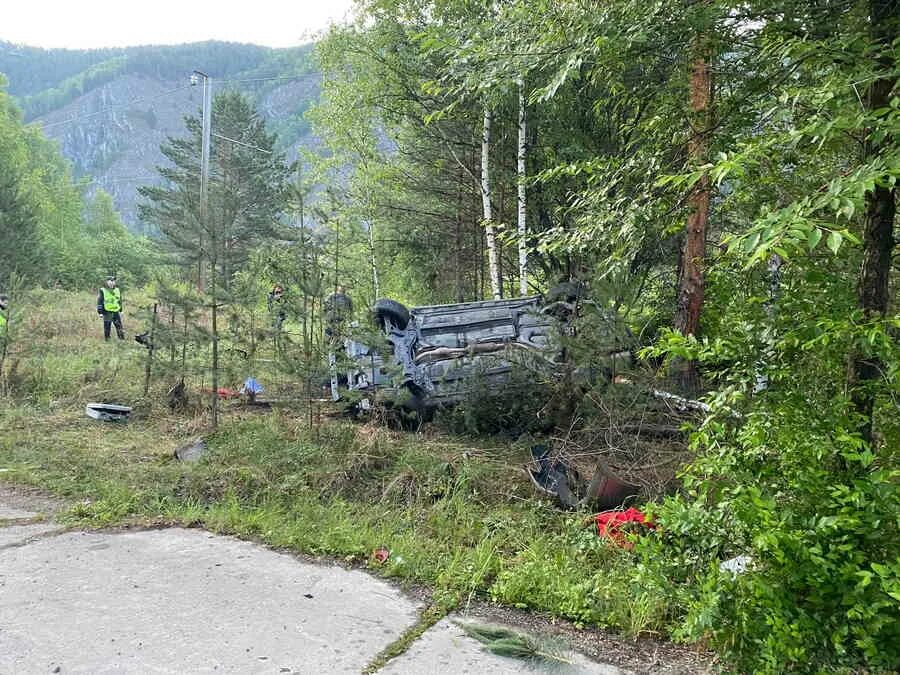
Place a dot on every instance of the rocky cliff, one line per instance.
(111, 109)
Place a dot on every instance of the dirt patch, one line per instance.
(28, 498)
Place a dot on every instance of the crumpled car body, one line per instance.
(436, 355)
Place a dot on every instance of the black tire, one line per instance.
(567, 291)
(338, 306)
(560, 310)
(393, 310)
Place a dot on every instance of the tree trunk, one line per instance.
(373, 259)
(490, 236)
(691, 282)
(881, 209)
(520, 211)
(457, 243)
(148, 368)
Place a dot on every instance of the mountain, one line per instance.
(110, 109)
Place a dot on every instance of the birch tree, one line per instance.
(489, 232)
(521, 212)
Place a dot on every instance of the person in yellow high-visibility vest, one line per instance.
(109, 306)
(4, 300)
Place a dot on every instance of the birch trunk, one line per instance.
(490, 235)
(521, 212)
(371, 227)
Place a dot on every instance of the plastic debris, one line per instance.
(737, 565)
(616, 525)
(223, 392)
(192, 451)
(251, 388)
(551, 476)
(107, 412)
(381, 555)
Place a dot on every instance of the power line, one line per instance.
(265, 79)
(163, 95)
(117, 105)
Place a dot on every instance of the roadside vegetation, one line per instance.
(719, 178)
(456, 514)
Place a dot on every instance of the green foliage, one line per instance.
(803, 145)
(18, 212)
(51, 232)
(247, 190)
(504, 641)
(802, 163)
(520, 406)
(73, 87)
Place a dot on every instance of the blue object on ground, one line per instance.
(251, 386)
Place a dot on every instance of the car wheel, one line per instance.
(564, 292)
(393, 311)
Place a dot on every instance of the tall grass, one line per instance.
(457, 515)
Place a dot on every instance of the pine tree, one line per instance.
(247, 192)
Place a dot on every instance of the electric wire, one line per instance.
(164, 94)
(115, 106)
(153, 98)
(264, 79)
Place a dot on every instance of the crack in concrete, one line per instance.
(428, 617)
(35, 538)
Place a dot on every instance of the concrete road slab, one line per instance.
(16, 535)
(9, 513)
(175, 600)
(446, 649)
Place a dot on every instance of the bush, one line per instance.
(817, 513)
(518, 405)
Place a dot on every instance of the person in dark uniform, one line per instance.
(109, 306)
(338, 309)
(276, 304)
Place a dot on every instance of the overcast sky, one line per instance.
(81, 24)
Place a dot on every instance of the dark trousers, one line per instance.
(112, 318)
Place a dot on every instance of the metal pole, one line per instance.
(204, 151)
(206, 229)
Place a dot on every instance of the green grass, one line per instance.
(457, 516)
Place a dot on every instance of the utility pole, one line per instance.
(205, 228)
(204, 163)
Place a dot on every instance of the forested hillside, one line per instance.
(699, 199)
(111, 109)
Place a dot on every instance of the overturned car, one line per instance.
(427, 357)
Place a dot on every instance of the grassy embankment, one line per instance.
(457, 515)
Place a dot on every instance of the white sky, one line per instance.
(81, 24)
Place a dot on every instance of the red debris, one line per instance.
(381, 555)
(614, 525)
(223, 392)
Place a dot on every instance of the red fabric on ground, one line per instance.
(610, 524)
(223, 392)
